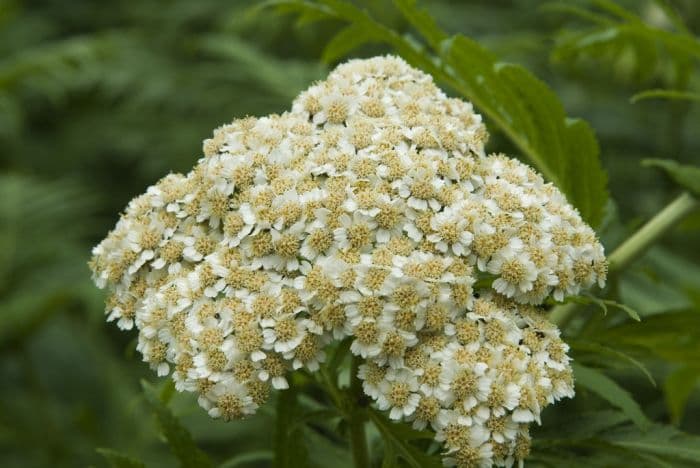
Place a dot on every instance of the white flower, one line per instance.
(367, 213)
(230, 400)
(282, 333)
(355, 231)
(450, 233)
(516, 271)
(398, 394)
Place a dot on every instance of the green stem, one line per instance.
(636, 245)
(659, 225)
(357, 417)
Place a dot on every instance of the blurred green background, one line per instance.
(98, 100)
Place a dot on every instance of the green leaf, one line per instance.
(665, 94)
(673, 15)
(599, 440)
(119, 460)
(620, 35)
(604, 304)
(397, 437)
(659, 440)
(564, 150)
(178, 437)
(349, 38)
(246, 458)
(284, 78)
(684, 175)
(671, 336)
(603, 355)
(610, 391)
(678, 387)
(585, 425)
(422, 21)
(290, 451)
(616, 10)
(630, 311)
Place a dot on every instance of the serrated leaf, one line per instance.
(290, 451)
(119, 460)
(564, 150)
(610, 391)
(606, 352)
(620, 32)
(627, 309)
(671, 336)
(659, 440)
(397, 437)
(603, 304)
(422, 21)
(684, 175)
(678, 387)
(606, 446)
(178, 437)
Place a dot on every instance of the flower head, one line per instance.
(369, 211)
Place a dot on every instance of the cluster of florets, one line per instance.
(369, 211)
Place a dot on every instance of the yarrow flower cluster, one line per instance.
(369, 211)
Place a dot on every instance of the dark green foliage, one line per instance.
(119, 460)
(687, 177)
(398, 447)
(610, 391)
(178, 437)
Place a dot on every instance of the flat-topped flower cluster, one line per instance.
(369, 211)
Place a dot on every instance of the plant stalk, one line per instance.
(636, 245)
(357, 417)
(657, 226)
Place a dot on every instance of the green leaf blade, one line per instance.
(665, 94)
(119, 460)
(610, 391)
(422, 21)
(564, 150)
(660, 440)
(688, 177)
(678, 387)
(396, 438)
(178, 437)
(348, 39)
